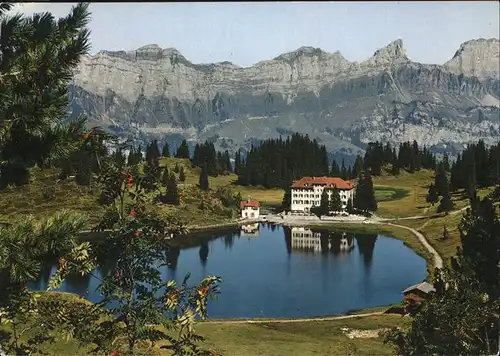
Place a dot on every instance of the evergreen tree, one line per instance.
(165, 152)
(364, 196)
(237, 162)
(350, 207)
(276, 162)
(286, 202)
(152, 153)
(165, 176)
(177, 168)
(357, 167)
(343, 171)
(324, 207)
(204, 185)
(172, 195)
(334, 169)
(119, 158)
(183, 150)
(471, 180)
(432, 195)
(83, 173)
(335, 204)
(182, 175)
(440, 179)
(38, 55)
(446, 203)
(395, 169)
(446, 162)
(131, 158)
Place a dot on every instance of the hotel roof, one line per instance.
(308, 182)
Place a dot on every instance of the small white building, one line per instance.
(250, 230)
(306, 192)
(250, 209)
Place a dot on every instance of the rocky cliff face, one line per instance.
(154, 92)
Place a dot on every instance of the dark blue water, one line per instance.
(280, 272)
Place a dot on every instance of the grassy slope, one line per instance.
(30, 199)
(305, 338)
(283, 339)
(414, 204)
(300, 338)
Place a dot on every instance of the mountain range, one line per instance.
(157, 93)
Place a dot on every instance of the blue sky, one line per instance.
(245, 33)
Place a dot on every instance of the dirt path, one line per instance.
(438, 260)
(296, 320)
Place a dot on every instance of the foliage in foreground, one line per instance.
(38, 56)
(24, 247)
(462, 317)
(142, 301)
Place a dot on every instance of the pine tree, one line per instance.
(165, 177)
(204, 185)
(148, 153)
(131, 158)
(334, 170)
(237, 163)
(357, 167)
(343, 170)
(446, 162)
(364, 197)
(119, 158)
(177, 168)
(182, 175)
(38, 54)
(183, 150)
(432, 195)
(440, 179)
(324, 206)
(172, 195)
(83, 173)
(286, 202)
(139, 156)
(335, 204)
(152, 153)
(350, 207)
(395, 169)
(165, 152)
(446, 203)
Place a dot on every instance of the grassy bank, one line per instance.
(45, 195)
(304, 338)
(328, 337)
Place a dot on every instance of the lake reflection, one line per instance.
(269, 270)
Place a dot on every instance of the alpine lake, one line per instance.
(275, 271)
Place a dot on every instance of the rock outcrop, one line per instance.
(155, 92)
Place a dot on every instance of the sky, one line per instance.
(245, 33)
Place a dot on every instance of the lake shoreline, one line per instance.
(352, 225)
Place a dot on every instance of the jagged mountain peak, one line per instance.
(478, 57)
(479, 42)
(304, 50)
(394, 51)
(149, 47)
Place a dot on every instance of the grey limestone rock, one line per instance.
(156, 93)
